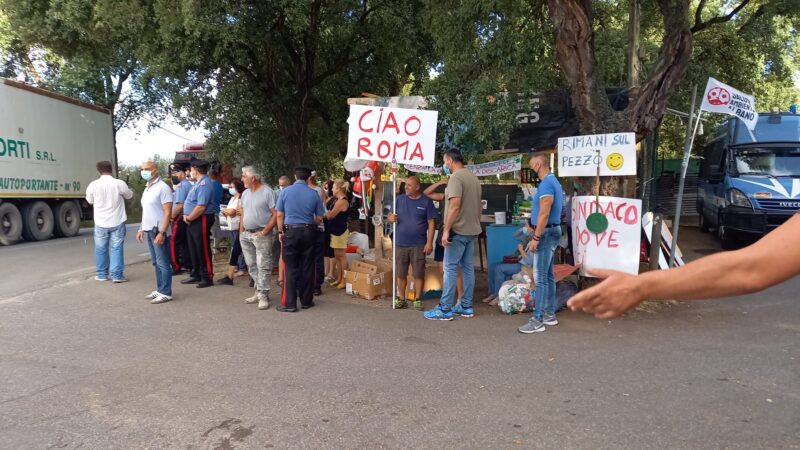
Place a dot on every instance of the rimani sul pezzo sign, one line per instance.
(578, 155)
(377, 133)
(617, 247)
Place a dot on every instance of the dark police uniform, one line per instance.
(201, 194)
(179, 243)
(300, 205)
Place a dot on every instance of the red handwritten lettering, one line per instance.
(391, 122)
(417, 153)
(419, 125)
(387, 146)
(363, 146)
(361, 126)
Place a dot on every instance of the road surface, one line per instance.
(86, 364)
(35, 265)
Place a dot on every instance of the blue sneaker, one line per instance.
(438, 314)
(459, 310)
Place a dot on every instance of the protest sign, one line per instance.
(578, 157)
(391, 134)
(721, 98)
(480, 170)
(617, 247)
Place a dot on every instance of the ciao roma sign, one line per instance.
(407, 136)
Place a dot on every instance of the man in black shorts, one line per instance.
(415, 218)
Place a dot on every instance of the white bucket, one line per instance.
(500, 218)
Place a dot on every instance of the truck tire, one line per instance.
(37, 221)
(10, 224)
(67, 219)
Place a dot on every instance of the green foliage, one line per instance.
(85, 49)
(489, 51)
(269, 80)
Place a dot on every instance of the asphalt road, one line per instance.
(33, 265)
(87, 364)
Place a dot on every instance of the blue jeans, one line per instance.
(159, 254)
(116, 238)
(458, 254)
(499, 273)
(545, 279)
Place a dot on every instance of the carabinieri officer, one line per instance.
(199, 211)
(299, 210)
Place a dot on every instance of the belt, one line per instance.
(254, 230)
(289, 226)
(550, 225)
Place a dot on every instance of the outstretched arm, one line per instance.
(773, 259)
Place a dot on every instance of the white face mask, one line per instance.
(232, 191)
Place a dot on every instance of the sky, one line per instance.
(135, 144)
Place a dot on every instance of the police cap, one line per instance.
(200, 163)
(303, 169)
(178, 167)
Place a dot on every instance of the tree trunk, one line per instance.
(575, 55)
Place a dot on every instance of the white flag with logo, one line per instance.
(721, 98)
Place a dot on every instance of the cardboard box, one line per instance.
(432, 282)
(369, 279)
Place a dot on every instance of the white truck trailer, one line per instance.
(49, 146)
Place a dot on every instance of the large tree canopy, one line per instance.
(86, 49)
(270, 80)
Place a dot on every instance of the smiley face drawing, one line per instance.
(615, 161)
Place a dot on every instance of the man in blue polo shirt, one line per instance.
(300, 211)
(199, 212)
(416, 222)
(546, 206)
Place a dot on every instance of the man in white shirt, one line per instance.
(156, 214)
(108, 194)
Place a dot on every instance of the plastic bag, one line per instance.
(514, 297)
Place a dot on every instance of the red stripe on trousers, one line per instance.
(209, 266)
(175, 264)
(283, 266)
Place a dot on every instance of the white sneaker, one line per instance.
(119, 280)
(251, 300)
(263, 303)
(96, 278)
(160, 299)
(152, 295)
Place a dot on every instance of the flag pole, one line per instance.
(394, 234)
(687, 152)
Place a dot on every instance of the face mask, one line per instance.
(176, 180)
(146, 175)
(446, 170)
(525, 231)
(232, 191)
(282, 187)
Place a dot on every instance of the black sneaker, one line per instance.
(310, 305)
(225, 280)
(205, 284)
(190, 280)
(285, 309)
(317, 292)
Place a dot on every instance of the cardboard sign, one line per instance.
(721, 98)
(577, 155)
(392, 134)
(618, 247)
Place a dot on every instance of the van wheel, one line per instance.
(67, 219)
(10, 224)
(726, 238)
(37, 221)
